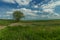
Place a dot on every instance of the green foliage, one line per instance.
(30, 33)
(17, 15)
(39, 30)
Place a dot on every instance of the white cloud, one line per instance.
(48, 10)
(43, 16)
(9, 1)
(9, 12)
(50, 7)
(29, 11)
(6, 15)
(51, 4)
(25, 11)
(29, 14)
(23, 2)
(54, 17)
(20, 2)
(35, 6)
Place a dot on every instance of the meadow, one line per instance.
(31, 30)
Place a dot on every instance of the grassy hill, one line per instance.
(33, 30)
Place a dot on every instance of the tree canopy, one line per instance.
(17, 15)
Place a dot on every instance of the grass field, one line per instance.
(33, 30)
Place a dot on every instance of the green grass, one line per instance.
(6, 22)
(35, 30)
(30, 33)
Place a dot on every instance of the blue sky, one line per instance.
(32, 9)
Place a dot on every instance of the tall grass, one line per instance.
(30, 33)
(34, 30)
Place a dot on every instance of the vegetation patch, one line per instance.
(30, 33)
(31, 30)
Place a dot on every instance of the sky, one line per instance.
(32, 9)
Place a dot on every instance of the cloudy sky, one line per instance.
(32, 9)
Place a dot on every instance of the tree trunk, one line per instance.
(17, 20)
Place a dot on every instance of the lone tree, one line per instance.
(17, 15)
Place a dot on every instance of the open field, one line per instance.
(31, 30)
